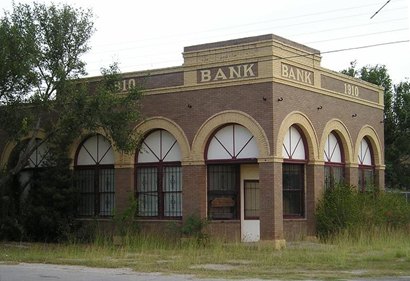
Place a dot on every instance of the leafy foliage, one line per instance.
(343, 208)
(49, 210)
(396, 122)
(40, 91)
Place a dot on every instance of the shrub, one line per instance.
(342, 208)
(124, 221)
(194, 227)
(337, 210)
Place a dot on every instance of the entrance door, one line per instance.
(250, 224)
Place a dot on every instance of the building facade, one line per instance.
(247, 133)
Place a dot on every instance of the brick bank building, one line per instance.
(247, 133)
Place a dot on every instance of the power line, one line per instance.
(380, 9)
(176, 36)
(346, 49)
(367, 46)
(330, 51)
(358, 35)
(290, 35)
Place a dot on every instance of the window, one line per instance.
(333, 156)
(366, 167)
(228, 148)
(293, 190)
(36, 162)
(159, 177)
(251, 193)
(223, 191)
(293, 177)
(94, 173)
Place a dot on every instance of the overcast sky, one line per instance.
(151, 34)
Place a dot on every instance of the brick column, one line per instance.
(314, 191)
(271, 208)
(124, 187)
(194, 190)
(352, 174)
(379, 177)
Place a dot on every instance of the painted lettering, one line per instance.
(205, 75)
(308, 76)
(235, 72)
(248, 71)
(126, 84)
(220, 75)
(285, 70)
(351, 90)
(291, 74)
(297, 74)
(228, 73)
(131, 83)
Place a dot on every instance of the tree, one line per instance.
(398, 152)
(396, 122)
(41, 90)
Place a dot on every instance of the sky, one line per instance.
(151, 34)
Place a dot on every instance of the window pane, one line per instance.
(338, 175)
(333, 176)
(147, 179)
(293, 176)
(85, 185)
(106, 192)
(251, 199)
(172, 179)
(366, 178)
(328, 177)
(223, 191)
(292, 203)
(172, 188)
(147, 191)
(148, 204)
(222, 178)
(173, 204)
(293, 189)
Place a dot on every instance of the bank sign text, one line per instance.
(241, 71)
(297, 74)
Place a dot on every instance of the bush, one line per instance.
(42, 209)
(194, 227)
(48, 211)
(342, 208)
(337, 210)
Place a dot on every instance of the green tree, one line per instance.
(41, 90)
(398, 152)
(396, 123)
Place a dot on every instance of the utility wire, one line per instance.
(262, 22)
(346, 49)
(358, 35)
(380, 9)
(324, 52)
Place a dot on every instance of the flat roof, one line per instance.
(247, 40)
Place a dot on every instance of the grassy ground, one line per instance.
(383, 253)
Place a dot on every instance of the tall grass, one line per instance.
(377, 252)
(342, 209)
(366, 243)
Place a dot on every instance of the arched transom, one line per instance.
(232, 142)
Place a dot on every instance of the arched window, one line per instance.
(366, 166)
(229, 147)
(159, 177)
(333, 156)
(293, 169)
(36, 162)
(94, 169)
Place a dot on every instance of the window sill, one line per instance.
(225, 221)
(294, 218)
